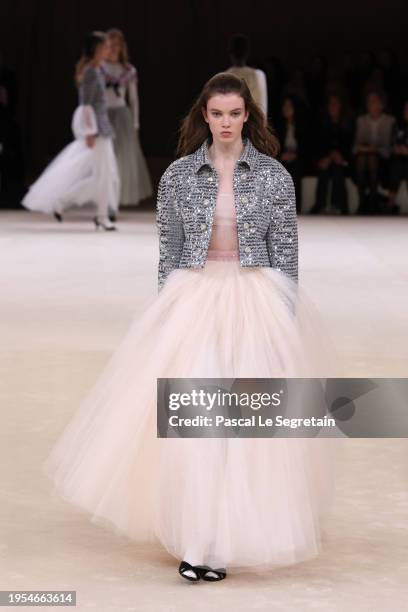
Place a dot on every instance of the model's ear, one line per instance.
(203, 110)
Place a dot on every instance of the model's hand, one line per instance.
(90, 140)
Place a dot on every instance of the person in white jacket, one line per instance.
(254, 77)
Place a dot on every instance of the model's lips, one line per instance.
(226, 133)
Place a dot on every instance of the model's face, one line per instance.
(374, 105)
(115, 49)
(225, 115)
(102, 51)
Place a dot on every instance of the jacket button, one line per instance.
(244, 199)
(203, 226)
(243, 177)
(210, 178)
(206, 202)
(246, 225)
(247, 249)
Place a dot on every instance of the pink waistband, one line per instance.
(222, 255)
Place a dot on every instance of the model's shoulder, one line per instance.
(176, 170)
(272, 168)
(89, 74)
(179, 166)
(131, 70)
(89, 70)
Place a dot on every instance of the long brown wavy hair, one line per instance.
(91, 42)
(194, 130)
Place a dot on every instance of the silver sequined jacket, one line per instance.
(265, 211)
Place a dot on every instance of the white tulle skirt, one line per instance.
(244, 504)
(78, 175)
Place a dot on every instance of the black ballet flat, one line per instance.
(203, 570)
(184, 566)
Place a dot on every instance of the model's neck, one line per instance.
(225, 151)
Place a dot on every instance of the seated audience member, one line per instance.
(372, 148)
(332, 153)
(291, 131)
(398, 159)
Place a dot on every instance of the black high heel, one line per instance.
(203, 570)
(112, 217)
(58, 216)
(99, 224)
(184, 566)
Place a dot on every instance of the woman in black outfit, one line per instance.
(334, 137)
(291, 131)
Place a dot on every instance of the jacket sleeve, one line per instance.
(282, 234)
(134, 101)
(84, 121)
(170, 226)
(263, 87)
(89, 86)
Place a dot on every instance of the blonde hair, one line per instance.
(123, 53)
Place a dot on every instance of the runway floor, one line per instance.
(68, 294)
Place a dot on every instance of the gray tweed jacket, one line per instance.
(92, 91)
(265, 210)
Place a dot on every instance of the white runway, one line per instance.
(68, 294)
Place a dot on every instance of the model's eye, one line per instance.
(216, 113)
(236, 113)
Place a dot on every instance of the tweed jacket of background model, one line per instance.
(92, 92)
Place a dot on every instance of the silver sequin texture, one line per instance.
(265, 206)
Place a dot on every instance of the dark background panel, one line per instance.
(175, 46)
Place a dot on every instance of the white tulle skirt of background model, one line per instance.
(78, 175)
(244, 504)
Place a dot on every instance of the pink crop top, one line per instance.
(224, 237)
